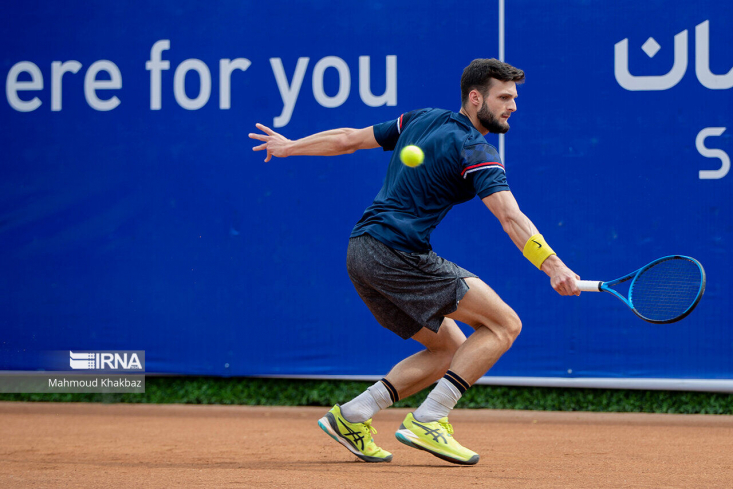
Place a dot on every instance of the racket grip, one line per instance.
(588, 285)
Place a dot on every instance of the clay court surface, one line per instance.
(123, 445)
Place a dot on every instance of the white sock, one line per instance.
(381, 394)
(367, 404)
(439, 403)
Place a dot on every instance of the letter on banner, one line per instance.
(179, 84)
(702, 61)
(662, 82)
(57, 73)
(13, 86)
(155, 66)
(712, 153)
(389, 97)
(344, 81)
(91, 85)
(226, 66)
(289, 94)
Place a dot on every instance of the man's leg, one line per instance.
(411, 375)
(350, 424)
(424, 368)
(496, 327)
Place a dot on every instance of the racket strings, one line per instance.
(667, 289)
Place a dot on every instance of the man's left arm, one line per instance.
(520, 229)
(326, 143)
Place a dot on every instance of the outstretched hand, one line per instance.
(275, 144)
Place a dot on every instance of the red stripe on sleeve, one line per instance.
(488, 163)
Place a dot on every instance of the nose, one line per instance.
(512, 106)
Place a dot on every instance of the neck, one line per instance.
(474, 120)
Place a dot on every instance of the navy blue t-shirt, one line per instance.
(459, 164)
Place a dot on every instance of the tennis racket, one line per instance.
(664, 291)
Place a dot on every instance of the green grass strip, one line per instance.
(285, 392)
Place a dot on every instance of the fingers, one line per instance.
(260, 137)
(567, 291)
(563, 290)
(272, 142)
(566, 286)
(265, 129)
(574, 285)
(263, 137)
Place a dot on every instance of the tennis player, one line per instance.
(409, 289)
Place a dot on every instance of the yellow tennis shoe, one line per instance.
(356, 437)
(435, 437)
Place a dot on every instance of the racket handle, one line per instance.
(588, 285)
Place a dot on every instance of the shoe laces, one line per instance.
(446, 426)
(371, 429)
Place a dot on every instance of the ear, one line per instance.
(475, 98)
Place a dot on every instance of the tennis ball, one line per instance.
(412, 156)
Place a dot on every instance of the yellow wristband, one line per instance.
(537, 250)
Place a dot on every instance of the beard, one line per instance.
(490, 122)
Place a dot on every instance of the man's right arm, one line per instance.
(327, 143)
(520, 229)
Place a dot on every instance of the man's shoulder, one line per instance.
(476, 139)
(471, 138)
(427, 113)
(445, 121)
(463, 129)
(451, 125)
(431, 114)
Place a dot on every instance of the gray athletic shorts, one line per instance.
(405, 291)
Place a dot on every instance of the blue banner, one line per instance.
(135, 216)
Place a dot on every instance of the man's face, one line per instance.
(497, 106)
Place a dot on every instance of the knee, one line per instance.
(509, 329)
(514, 326)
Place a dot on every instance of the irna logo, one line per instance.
(664, 82)
(105, 361)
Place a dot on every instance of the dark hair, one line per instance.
(478, 75)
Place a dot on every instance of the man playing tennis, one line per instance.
(411, 290)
